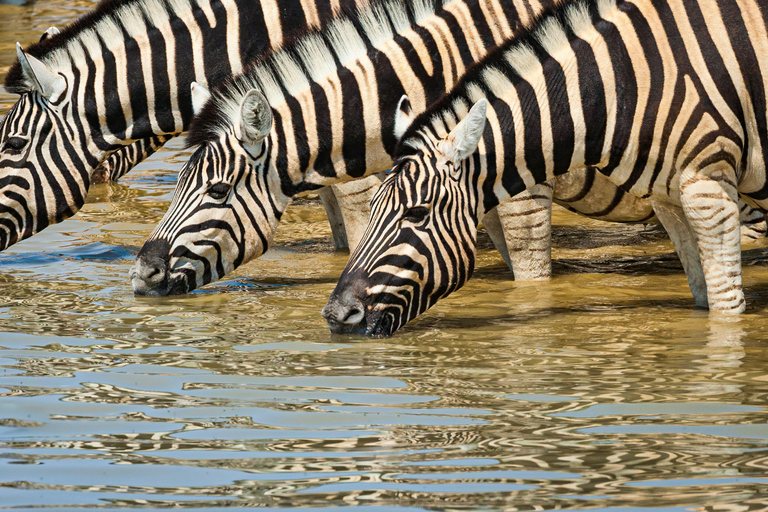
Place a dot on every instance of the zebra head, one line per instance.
(222, 197)
(421, 239)
(39, 153)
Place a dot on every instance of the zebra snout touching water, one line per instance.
(680, 120)
(420, 245)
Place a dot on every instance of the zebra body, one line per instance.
(118, 75)
(650, 93)
(323, 92)
(324, 95)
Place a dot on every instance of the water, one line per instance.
(603, 389)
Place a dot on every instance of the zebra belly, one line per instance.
(590, 193)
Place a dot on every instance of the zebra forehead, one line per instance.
(346, 38)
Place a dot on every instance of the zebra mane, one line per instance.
(102, 19)
(309, 57)
(498, 70)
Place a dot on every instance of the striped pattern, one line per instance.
(127, 68)
(316, 87)
(125, 158)
(653, 94)
(331, 94)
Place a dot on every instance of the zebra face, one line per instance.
(223, 213)
(217, 220)
(418, 248)
(420, 245)
(35, 185)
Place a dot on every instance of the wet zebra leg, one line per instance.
(521, 230)
(684, 240)
(348, 206)
(710, 202)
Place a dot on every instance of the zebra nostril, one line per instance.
(353, 315)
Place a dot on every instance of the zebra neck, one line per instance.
(334, 92)
(553, 103)
(130, 64)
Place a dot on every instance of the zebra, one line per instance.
(242, 176)
(650, 93)
(116, 82)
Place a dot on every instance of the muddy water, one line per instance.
(603, 389)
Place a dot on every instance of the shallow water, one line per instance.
(603, 389)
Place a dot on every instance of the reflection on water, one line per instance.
(603, 389)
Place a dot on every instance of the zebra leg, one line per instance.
(684, 240)
(753, 223)
(335, 218)
(126, 158)
(348, 206)
(521, 230)
(710, 202)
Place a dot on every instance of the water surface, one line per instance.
(603, 389)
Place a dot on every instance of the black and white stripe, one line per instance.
(328, 92)
(652, 94)
(324, 96)
(121, 74)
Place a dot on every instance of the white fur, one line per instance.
(403, 117)
(200, 97)
(343, 40)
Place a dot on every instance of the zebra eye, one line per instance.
(416, 213)
(219, 190)
(15, 144)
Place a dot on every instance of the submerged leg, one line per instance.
(521, 230)
(710, 201)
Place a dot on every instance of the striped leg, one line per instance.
(521, 230)
(126, 158)
(710, 202)
(348, 206)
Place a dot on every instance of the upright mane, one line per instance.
(308, 58)
(505, 64)
(107, 12)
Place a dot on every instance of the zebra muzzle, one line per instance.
(345, 314)
(149, 275)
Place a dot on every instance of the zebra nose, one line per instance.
(344, 314)
(149, 275)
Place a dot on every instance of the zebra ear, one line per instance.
(464, 138)
(52, 31)
(403, 116)
(48, 83)
(255, 117)
(200, 97)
